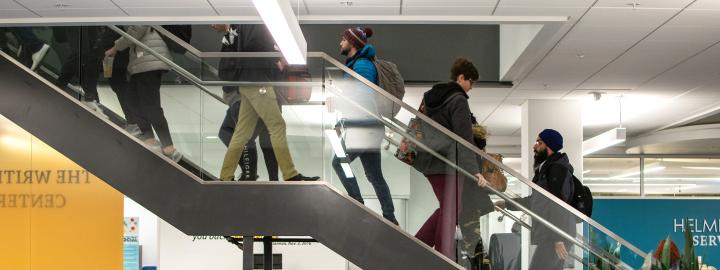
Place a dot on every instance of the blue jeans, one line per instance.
(371, 164)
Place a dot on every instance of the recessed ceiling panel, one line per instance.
(74, 4)
(162, 3)
(10, 5)
(16, 13)
(449, 10)
(81, 12)
(236, 10)
(178, 11)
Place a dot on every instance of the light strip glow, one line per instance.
(285, 29)
(604, 140)
(347, 170)
(335, 143)
(702, 168)
(647, 170)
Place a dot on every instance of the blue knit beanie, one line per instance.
(552, 139)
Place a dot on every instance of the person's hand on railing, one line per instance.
(481, 180)
(111, 52)
(560, 250)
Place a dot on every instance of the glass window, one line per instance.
(612, 176)
(682, 177)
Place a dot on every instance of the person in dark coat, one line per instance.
(230, 69)
(554, 173)
(447, 104)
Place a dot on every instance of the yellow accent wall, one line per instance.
(53, 213)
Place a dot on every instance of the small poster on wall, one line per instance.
(131, 246)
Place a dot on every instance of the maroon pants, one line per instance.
(439, 230)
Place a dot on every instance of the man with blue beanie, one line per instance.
(553, 173)
(363, 134)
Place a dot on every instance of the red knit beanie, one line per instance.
(358, 36)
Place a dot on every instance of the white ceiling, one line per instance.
(661, 55)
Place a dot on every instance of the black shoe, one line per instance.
(393, 220)
(301, 177)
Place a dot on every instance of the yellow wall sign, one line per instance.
(54, 214)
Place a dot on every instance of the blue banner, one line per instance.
(645, 222)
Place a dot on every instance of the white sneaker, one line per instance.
(175, 155)
(133, 129)
(38, 56)
(95, 106)
(153, 144)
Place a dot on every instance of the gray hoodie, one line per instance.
(141, 60)
(447, 104)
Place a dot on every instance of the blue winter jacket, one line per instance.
(362, 63)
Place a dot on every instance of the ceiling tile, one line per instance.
(16, 13)
(69, 4)
(597, 39)
(457, 11)
(694, 73)
(232, 3)
(81, 12)
(449, 3)
(166, 11)
(546, 4)
(355, 10)
(643, 4)
(10, 5)
(162, 3)
(705, 5)
(236, 11)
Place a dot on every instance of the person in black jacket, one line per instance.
(553, 173)
(84, 61)
(230, 69)
(259, 104)
(447, 104)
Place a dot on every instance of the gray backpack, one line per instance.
(390, 80)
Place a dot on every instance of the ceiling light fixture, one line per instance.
(606, 139)
(285, 29)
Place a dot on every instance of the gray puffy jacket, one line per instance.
(141, 60)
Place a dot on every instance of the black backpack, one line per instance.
(182, 31)
(582, 199)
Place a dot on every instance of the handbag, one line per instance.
(493, 174)
(407, 150)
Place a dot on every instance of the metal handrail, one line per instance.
(413, 111)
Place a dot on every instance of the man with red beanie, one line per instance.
(363, 133)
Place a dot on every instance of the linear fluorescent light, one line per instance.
(347, 170)
(587, 171)
(285, 29)
(647, 170)
(702, 168)
(605, 140)
(335, 143)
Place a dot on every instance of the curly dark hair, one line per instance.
(462, 66)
